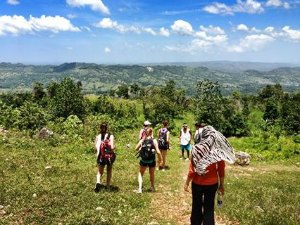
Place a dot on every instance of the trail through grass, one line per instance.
(45, 184)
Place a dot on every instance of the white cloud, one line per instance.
(96, 5)
(107, 23)
(248, 6)
(149, 30)
(203, 39)
(13, 2)
(292, 34)
(269, 29)
(252, 43)
(212, 29)
(107, 50)
(242, 27)
(16, 25)
(277, 3)
(182, 27)
(218, 8)
(54, 24)
(164, 32)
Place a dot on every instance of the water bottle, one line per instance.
(219, 199)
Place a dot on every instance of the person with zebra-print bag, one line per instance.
(207, 172)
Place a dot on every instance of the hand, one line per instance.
(221, 189)
(186, 187)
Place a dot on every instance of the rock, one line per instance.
(242, 158)
(3, 132)
(48, 167)
(258, 209)
(44, 133)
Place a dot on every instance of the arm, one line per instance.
(221, 174)
(189, 177)
(139, 144)
(112, 142)
(157, 149)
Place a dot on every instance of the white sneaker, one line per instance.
(187, 159)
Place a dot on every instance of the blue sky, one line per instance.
(153, 31)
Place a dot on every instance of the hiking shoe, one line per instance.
(152, 189)
(97, 187)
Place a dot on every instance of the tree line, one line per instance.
(230, 114)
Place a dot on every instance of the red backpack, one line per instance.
(106, 155)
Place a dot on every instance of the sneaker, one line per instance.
(187, 159)
(160, 167)
(97, 187)
(152, 189)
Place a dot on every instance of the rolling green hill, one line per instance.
(101, 78)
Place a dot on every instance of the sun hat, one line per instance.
(146, 123)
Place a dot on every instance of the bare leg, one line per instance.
(151, 172)
(109, 175)
(140, 177)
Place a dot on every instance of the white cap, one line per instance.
(146, 123)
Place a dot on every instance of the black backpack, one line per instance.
(162, 140)
(147, 152)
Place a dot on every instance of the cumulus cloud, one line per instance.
(164, 32)
(13, 2)
(107, 23)
(277, 3)
(16, 25)
(96, 5)
(203, 39)
(242, 27)
(251, 43)
(244, 6)
(212, 29)
(292, 34)
(182, 27)
(248, 6)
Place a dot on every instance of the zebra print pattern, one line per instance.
(214, 147)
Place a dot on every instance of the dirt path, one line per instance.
(171, 202)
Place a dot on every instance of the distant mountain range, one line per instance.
(243, 76)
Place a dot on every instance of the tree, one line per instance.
(66, 99)
(123, 91)
(209, 103)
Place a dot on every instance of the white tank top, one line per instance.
(185, 137)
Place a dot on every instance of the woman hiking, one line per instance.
(147, 148)
(207, 172)
(104, 144)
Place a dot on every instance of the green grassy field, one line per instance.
(52, 181)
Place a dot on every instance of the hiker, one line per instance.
(185, 141)
(147, 148)
(105, 146)
(198, 132)
(143, 130)
(163, 145)
(207, 172)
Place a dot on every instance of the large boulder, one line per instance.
(44, 133)
(242, 158)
